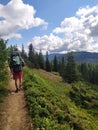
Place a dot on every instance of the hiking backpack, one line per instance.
(16, 61)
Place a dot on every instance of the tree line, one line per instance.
(3, 63)
(69, 69)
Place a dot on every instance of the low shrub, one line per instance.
(53, 110)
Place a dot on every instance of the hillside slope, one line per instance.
(50, 105)
(87, 57)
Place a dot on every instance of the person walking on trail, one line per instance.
(16, 67)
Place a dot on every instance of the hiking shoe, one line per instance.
(21, 87)
(16, 91)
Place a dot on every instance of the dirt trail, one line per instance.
(14, 112)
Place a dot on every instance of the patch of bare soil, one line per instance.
(49, 75)
(14, 115)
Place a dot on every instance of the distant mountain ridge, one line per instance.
(87, 57)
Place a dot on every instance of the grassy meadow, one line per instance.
(55, 105)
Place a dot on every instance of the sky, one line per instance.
(56, 26)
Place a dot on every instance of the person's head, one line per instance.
(15, 49)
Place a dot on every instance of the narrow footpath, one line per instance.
(14, 115)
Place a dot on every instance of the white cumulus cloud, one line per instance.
(49, 43)
(78, 33)
(89, 17)
(16, 16)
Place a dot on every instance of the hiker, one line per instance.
(16, 67)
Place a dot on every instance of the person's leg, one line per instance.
(20, 79)
(16, 85)
(15, 77)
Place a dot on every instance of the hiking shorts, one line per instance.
(18, 75)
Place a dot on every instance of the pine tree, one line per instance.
(48, 66)
(71, 73)
(41, 60)
(31, 55)
(55, 64)
(61, 67)
(36, 60)
(84, 71)
(23, 53)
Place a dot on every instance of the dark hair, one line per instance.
(15, 49)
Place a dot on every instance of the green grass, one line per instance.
(50, 105)
(3, 90)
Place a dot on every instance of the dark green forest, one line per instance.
(67, 103)
(4, 77)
